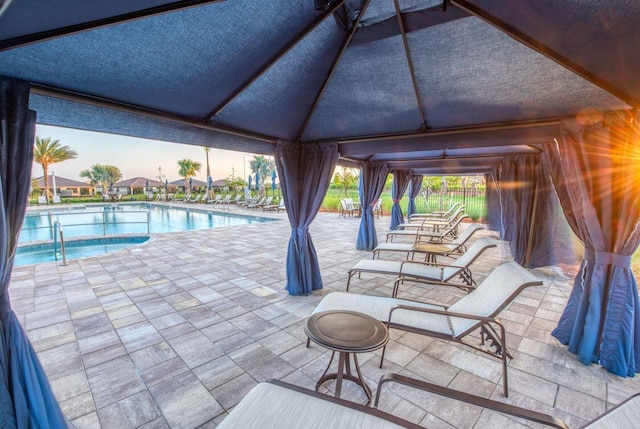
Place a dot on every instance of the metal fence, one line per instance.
(474, 199)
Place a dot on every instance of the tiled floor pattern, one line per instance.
(173, 333)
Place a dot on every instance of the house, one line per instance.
(65, 187)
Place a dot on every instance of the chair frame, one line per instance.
(468, 284)
(479, 401)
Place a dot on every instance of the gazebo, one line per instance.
(540, 97)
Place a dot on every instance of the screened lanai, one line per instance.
(543, 95)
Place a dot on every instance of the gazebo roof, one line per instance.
(434, 86)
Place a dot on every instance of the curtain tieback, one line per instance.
(396, 201)
(607, 258)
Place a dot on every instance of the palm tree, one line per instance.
(47, 152)
(102, 175)
(188, 169)
(262, 166)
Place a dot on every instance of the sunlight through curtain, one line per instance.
(305, 174)
(26, 399)
(595, 167)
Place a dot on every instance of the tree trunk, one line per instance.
(45, 169)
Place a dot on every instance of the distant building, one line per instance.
(65, 187)
(138, 185)
(198, 185)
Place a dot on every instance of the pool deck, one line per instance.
(174, 332)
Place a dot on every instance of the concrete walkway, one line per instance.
(174, 332)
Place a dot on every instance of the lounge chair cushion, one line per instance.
(379, 307)
(270, 406)
(490, 297)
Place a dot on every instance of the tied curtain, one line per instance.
(305, 174)
(414, 190)
(26, 399)
(398, 188)
(372, 179)
(595, 167)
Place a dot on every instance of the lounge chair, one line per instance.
(195, 199)
(428, 233)
(432, 223)
(427, 272)
(274, 404)
(477, 310)
(213, 200)
(269, 405)
(377, 209)
(237, 199)
(225, 200)
(624, 415)
(273, 207)
(245, 203)
(42, 199)
(186, 198)
(264, 202)
(436, 214)
(56, 199)
(429, 248)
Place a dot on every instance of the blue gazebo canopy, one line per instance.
(447, 82)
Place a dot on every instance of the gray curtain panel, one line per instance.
(399, 187)
(305, 174)
(414, 190)
(372, 178)
(594, 167)
(26, 399)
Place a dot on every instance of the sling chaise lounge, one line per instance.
(431, 223)
(477, 310)
(427, 272)
(428, 233)
(437, 214)
(624, 415)
(429, 248)
(275, 404)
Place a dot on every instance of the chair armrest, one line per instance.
(490, 404)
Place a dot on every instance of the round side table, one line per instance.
(348, 333)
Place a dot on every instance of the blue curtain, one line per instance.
(305, 174)
(414, 191)
(398, 188)
(527, 212)
(594, 168)
(372, 178)
(494, 204)
(26, 399)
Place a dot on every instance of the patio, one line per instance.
(175, 332)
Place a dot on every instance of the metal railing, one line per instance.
(54, 221)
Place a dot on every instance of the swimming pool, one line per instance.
(36, 253)
(93, 222)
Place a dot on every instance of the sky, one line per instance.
(137, 157)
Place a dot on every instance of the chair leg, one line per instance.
(351, 273)
(308, 342)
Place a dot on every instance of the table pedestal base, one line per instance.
(344, 373)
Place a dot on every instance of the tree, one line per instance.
(188, 169)
(47, 152)
(345, 180)
(102, 175)
(262, 166)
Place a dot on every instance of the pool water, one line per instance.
(33, 254)
(89, 231)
